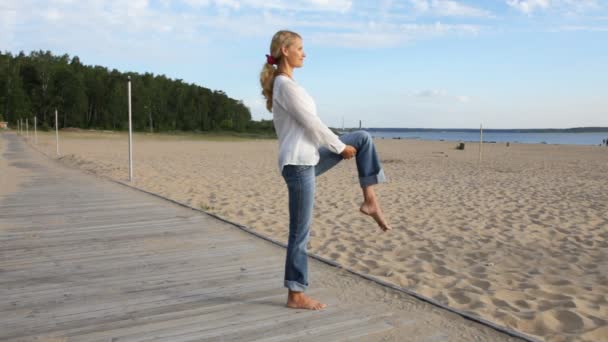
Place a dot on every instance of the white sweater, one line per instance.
(299, 129)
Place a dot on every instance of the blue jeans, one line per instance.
(300, 181)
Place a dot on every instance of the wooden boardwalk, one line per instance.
(86, 259)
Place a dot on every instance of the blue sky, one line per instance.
(409, 63)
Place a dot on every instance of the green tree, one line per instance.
(94, 97)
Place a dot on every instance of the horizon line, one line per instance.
(603, 128)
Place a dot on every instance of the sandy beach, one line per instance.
(10, 176)
(520, 239)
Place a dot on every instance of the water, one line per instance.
(494, 136)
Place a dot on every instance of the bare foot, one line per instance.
(374, 211)
(298, 300)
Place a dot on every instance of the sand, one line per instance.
(520, 239)
(11, 177)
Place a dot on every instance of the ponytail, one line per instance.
(269, 71)
(267, 76)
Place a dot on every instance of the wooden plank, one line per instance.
(127, 286)
(158, 317)
(327, 331)
(246, 314)
(94, 310)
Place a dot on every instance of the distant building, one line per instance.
(3, 125)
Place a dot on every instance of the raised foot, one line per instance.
(301, 301)
(374, 211)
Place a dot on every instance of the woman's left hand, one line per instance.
(349, 152)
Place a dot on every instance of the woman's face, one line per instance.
(294, 54)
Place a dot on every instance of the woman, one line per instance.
(307, 148)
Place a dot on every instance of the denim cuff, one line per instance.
(295, 286)
(373, 179)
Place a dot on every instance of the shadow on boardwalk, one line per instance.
(86, 259)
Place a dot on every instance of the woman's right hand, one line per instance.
(348, 152)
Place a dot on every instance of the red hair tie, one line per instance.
(270, 60)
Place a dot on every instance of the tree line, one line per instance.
(94, 97)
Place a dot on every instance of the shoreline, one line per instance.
(486, 141)
(244, 136)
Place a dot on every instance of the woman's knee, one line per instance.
(363, 137)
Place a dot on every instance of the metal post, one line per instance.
(150, 114)
(27, 129)
(57, 131)
(480, 141)
(35, 132)
(130, 133)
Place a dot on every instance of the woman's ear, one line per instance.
(284, 50)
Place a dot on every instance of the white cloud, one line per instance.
(113, 29)
(137, 5)
(283, 5)
(384, 24)
(359, 39)
(578, 8)
(453, 8)
(52, 15)
(420, 5)
(440, 95)
(582, 28)
(375, 35)
(165, 3)
(335, 5)
(564, 7)
(429, 93)
(193, 3)
(448, 8)
(582, 5)
(528, 6)
(138, 21)
(302, 5)
(233, 4)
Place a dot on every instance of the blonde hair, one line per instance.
(280, 39)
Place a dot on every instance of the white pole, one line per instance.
(35, 132)
(130, 133)
(480, 141)
(57, 131)
(27, 129)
